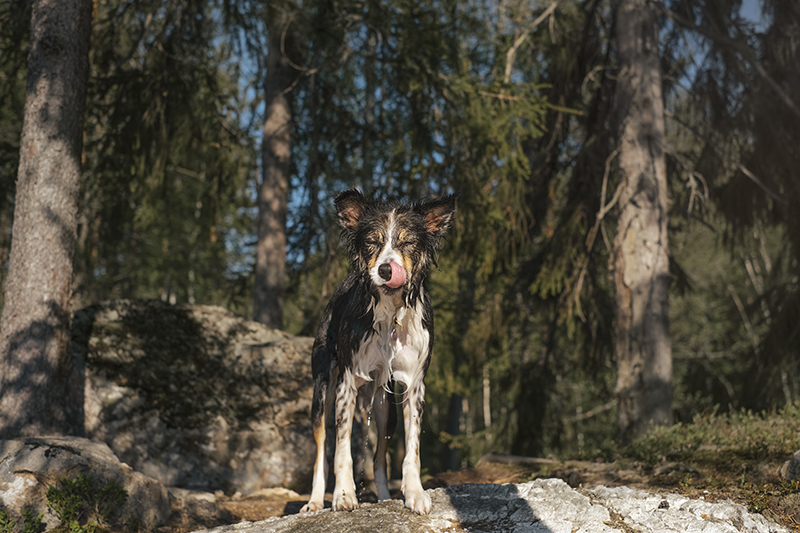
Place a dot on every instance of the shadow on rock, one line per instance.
(491, 508)
(195, 396)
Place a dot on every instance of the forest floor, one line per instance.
(713, 477)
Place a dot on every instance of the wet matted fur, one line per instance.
(377, 330)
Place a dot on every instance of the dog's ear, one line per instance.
(438, 214)
(349, 208)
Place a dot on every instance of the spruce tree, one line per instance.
(41, 385)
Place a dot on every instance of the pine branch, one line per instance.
(744, 170)
(511, 54)
(590, 238)
(738, 46)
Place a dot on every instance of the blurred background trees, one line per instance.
(511, 103)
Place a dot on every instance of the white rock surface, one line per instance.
(644, 511)
(541, 506)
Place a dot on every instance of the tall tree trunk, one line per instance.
(41, 385)
(641, 265)
(273, 192)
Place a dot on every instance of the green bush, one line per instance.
(713, 437)
(83, 506)
(6, 524)
(30, 524)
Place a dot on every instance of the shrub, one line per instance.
(713, 437)
(6, 524)
(83, 506)
(30, 524)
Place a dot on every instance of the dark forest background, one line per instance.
(509, 103)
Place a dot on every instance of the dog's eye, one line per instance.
(404, 244)
(373, 243)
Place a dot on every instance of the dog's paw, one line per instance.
(344, 501)
(312, 506)
(418, 501)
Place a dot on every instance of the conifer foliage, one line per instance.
(524, 107)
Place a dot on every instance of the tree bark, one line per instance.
(273, 192)
(41, 385)
(641, 265)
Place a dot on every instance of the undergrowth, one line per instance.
(6, 524)
(30, 523)
(714, 437)
(83, 506)
(737, 454)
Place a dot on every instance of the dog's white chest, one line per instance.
(397, 349)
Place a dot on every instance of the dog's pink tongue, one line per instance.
(398, 276)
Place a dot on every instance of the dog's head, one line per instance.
(394, 242)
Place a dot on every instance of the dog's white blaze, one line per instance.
(411, 347)
(381, 358)
(373, 359)
(387, 255)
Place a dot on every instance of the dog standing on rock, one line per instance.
(377, 329)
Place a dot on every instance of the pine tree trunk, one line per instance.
(641, 265)
(273, 192)
(41, 385)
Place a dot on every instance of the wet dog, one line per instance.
(377, 330)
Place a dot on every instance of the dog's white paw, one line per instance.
(418, 501)
(344, 501)
(312, 506)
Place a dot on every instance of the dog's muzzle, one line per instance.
(393, 274)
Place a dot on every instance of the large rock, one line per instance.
(541, 506)
(29, 466)
(197, 397)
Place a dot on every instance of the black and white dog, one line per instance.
(377, 329)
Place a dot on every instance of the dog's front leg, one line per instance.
(318, 423)
(385, 421)
(416, 498)
(344, 492)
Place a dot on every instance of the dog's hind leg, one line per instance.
(318, 412)
(385, 421)
(344, 493)
(416, 497)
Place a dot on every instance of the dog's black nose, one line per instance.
(385, 271)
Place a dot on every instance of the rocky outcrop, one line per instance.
(29, 466)
(646, 512)
(197, 397)
(541, 506)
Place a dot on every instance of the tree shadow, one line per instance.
(42, 389)
(191, 405)
(495, 508)
(478, 508)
